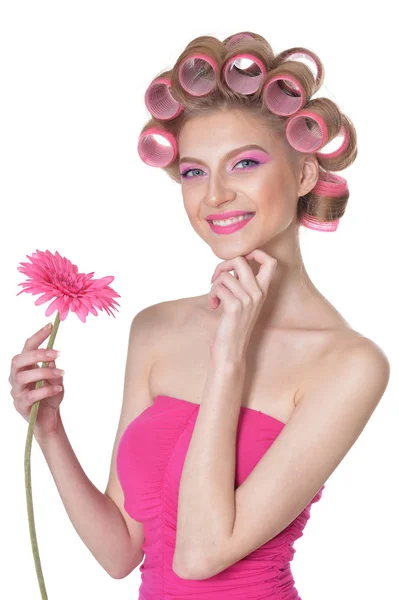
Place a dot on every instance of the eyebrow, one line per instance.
(228, 155)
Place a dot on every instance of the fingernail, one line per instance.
(47, 327)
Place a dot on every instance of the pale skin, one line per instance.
(218, 525)
(303, 364)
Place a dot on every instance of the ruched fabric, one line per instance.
(149, 462)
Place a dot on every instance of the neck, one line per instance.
(292, 301)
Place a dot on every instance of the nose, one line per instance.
(218, 192)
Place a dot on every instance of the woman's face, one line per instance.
(219, 174)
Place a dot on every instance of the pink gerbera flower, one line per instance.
(56, 277)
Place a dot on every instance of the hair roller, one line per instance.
(344, 149)
(307, 130)
(329, 185)
(198, 44)
(313, 223)
(157, 147)
(237, 37)
(197, 74)
(159, 99)
(294, 54)
(288, 88)
(241, 78)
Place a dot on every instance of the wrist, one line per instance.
(229, 362)
(55, 434)
(227, 367)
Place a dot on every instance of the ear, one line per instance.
(309, 174)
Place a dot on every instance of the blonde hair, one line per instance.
(315, 204)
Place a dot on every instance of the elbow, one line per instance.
(179, 570)
(122, 574)
(118, 576)
(190, 569)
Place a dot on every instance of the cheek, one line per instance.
(192, 209)
(275, 189)
(272, 198)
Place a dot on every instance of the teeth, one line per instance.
(232, 220)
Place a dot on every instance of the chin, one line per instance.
(232, 253)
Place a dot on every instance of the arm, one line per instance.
(206, 504)
(221, 525)
(111, 535)
(95, 517)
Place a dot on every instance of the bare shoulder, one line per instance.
(362, 350)
(166, 318)
(369, 356)
(174, 312)
(352, 358)
(166, 312)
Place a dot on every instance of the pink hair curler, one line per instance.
(298, 53)
(234, 39)
(306, 131)
(159, 100)
(341, 149)
(244, 79)
(328, 184)
(156, 147)
(313, 223)
(284, 95)
(193, 75)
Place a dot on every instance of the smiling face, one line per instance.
(230, 161)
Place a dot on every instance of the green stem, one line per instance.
(28, 483)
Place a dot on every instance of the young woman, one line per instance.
(240, 403)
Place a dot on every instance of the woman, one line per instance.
(240, 403)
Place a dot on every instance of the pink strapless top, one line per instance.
(149, 463)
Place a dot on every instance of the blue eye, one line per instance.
(256, 162)
(184, 175)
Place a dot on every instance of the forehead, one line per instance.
(224, 130)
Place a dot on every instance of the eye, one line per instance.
(184, 174)
(256, 162)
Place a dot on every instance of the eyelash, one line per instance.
(184, 175)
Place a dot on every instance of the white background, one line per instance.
(73, 77)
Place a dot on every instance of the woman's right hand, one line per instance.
(23, 377)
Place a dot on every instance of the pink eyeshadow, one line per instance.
(187, 166)
(262, 157)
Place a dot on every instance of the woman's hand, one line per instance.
(241, 298)
(25, 373)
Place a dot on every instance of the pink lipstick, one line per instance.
(227, 215)
(233, 226)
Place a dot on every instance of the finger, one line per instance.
(29, 397)
(220, 293)
(231, 284)
(29, 358)
(229, 265)
(267, 268)
(22, 378)
(36, 339)
(245, 275)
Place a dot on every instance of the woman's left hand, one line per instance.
(241, 298)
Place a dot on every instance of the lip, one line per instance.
(223, 229)
(228, 214)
